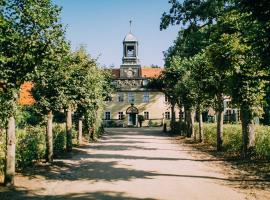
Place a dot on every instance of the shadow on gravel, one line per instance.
(121, 147)
(254, 173)
(109, 171)
(15, 194)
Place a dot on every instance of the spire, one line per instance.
(130, 24)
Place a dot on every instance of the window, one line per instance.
(120, 115)
(227, 104)
(166, 98)
(107, 115)
(228, 112)
(167, 115)
(121, 97)
(146, 115)
(146, 97)
(131, 97)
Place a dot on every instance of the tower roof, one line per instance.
(130, 38)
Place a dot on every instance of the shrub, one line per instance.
(232, 138)
(26, 116)
(30, 145)
(59, 139)
(263, 141)
(140, 119)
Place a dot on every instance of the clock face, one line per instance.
(130, 73)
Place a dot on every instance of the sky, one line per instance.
(101, 26)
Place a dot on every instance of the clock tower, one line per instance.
(131, 67)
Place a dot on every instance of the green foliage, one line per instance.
(263, 142)
(140, 118)
(27, 115)
(30, 146)
(59, 139)
(233, 138)
(2, 150)
(27, 40)
(153, 123)
(225, 44)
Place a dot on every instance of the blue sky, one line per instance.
(101, 25)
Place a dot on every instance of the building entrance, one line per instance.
(132, 113)
(132, 119)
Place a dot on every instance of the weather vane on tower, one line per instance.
(130, 24)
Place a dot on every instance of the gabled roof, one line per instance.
(130, 38)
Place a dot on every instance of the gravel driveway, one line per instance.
(127, 164)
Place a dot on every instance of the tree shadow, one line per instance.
(121, 147)
(109, 171)
(123, 142)
(15, 194)
(94, 171)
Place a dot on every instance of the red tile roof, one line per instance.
(145, 72)
(116, 73)
(151, 72)
(25, 97)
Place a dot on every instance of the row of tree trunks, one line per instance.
(11, 143)
(248, 127)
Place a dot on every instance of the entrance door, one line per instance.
(132, 119)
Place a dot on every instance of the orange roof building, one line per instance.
(133, 97)
(25, 97)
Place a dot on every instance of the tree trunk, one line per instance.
(173, 118)
(69, 130)
(180, 120)
(201, 136)
(188, 123)
(91, 133)
(49, 138)
(192, 131)
(80, 126)
(220, 119)
(10, 155)
(248, 131)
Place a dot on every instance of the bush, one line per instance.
(232, 138)
(152, 123)
(59, 139)
(263, 141)
(30, 146)
(26, 116)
